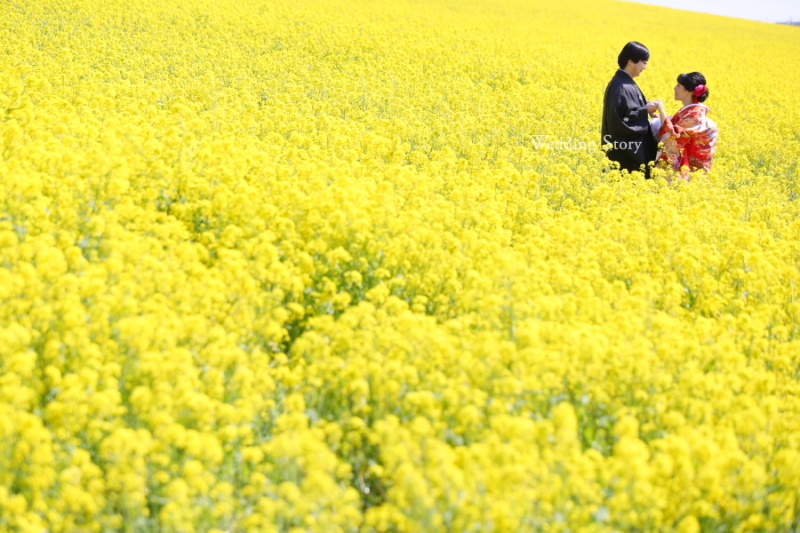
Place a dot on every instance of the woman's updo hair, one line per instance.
(692, 80)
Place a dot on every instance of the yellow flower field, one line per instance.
(293, 265)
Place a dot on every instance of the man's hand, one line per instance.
(652, 107)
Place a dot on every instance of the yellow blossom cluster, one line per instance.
(354, 266)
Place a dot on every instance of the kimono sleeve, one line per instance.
(625, 114)
(678, 135)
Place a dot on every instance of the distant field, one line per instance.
(361, 266)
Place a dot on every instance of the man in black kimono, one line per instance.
(626, 125)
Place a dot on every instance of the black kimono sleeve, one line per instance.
(626, 132)
(627, 117)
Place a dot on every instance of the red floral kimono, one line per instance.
(689, 138)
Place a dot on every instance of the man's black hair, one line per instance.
(635, 52)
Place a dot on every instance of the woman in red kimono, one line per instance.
(689, 136)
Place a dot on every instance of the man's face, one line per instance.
(636, 68)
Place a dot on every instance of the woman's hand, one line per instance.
(661, 112)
